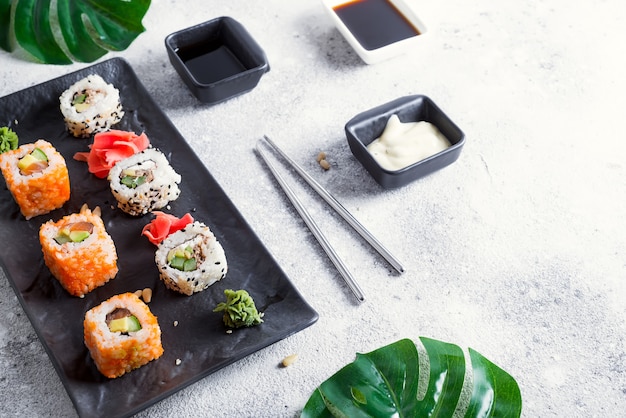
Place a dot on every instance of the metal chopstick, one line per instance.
(343, 212)
(319, 235)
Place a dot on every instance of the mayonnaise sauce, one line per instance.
(403, 144)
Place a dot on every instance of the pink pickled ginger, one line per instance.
(163, 225)
(110, 147)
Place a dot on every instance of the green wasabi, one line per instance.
(8, 139)
(239, 309)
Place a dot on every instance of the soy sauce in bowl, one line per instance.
(375, 23)
(212, 63)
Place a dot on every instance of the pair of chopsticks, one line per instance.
(312, 225)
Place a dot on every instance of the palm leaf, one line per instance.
(5, 25)
(78, 30)
(385, 383)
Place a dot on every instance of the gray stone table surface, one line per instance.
(517, 250)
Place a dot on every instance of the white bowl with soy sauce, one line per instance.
(376, 29)
(217, 59)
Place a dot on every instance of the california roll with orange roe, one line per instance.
(122, 335)
(37, 177)
(78, 251)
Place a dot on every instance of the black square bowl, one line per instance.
(365, 127)
(217, 59)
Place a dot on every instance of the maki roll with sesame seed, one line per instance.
(190, 260)
(144, 182)
(90, 105)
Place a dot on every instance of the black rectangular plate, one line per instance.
(199, 340)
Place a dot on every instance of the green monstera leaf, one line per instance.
(387, 383)
(72, 30)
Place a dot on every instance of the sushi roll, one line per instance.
(37, 177)
(190, 260)
(122, 335)
(90, 105)
(144, 182)
(78, 251)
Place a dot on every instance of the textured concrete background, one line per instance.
(517, 250)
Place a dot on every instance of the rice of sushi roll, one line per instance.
(90, 105)
(122, 335)
(144, 182)
(78, 251)
(37, 177)
(190, 260)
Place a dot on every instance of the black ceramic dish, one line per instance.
(217, 59)
(199, 340)
(369, 125)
